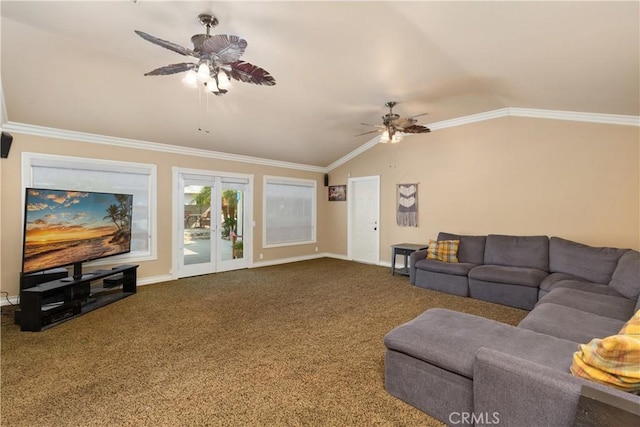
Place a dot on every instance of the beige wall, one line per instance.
(580, 181)
(11, 200)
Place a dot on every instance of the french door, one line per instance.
(213, 214)
(363, 243)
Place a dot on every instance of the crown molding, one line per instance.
(355, 153)
(152, 146)
(612, 119)
(473, 118)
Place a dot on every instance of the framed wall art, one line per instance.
(337, 193)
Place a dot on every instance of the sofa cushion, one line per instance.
(569, 323)
(587, 262)
(443, 250)
(455, 268)
(616, 307)
(563, 280)
(449, 340)
(614, 360)
(442, 282)
(517, 251)
(471, 248)
(510, 275)
(626, 277)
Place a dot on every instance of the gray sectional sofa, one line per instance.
(468, 370)
(516, 270)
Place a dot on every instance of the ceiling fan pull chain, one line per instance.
(207, 98)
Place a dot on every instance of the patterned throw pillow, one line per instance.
(443, 250)
(613, 360)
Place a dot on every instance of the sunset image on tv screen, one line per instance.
(66, 227)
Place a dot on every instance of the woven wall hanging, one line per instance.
(407, 206)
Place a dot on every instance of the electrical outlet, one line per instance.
(316, 249)
(261, 256)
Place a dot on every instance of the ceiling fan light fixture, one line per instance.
(203, 72)
(211, 86)
(384, 138)
(190, 79)
(223, 80)
(394, 128)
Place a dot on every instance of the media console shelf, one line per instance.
(54, 302)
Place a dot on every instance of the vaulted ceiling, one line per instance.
(79, 66)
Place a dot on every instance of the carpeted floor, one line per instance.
(293, 345)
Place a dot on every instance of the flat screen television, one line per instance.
(63, 228)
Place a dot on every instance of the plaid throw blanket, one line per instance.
(407, 206)
(613, 360)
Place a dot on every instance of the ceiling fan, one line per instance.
(393, 126)
(218, 60)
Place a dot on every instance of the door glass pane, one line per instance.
(197, 223)
(232, 220)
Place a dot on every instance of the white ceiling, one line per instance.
(79, 66)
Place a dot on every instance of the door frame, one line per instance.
(176, 220)
(350, 197)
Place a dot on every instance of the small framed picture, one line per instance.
(337, 193)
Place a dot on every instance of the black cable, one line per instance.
(6, 296)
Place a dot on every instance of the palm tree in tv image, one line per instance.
(120, 215)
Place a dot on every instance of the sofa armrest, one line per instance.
(415, 256)
(522, 393)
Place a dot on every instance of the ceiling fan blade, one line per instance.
(367, 133)
(250, 73)
(418, 115)
(416, 129)
(225, 48)
(371, 124)
(166, 44)
(172, 69)
(403, 122)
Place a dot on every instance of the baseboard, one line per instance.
(336, 256)
(155, 279)
(287, 260)
(10, 301)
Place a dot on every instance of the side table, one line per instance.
(405, 249)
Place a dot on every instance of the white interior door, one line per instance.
(363, 199)
(213, 222)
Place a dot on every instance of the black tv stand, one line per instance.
(75, 279)
(51, 303)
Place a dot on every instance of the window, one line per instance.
(289, 211)
(74, 173)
